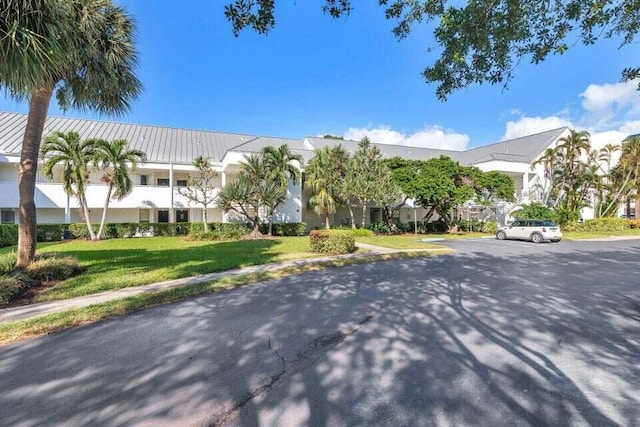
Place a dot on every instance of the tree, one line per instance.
(116, 159)
(74, 155)
(629, 170)
(201, 188)
(256, 186)
(482, 41)
(82, 50)
(324, 177)
(280, 164)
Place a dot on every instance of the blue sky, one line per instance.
(315, 75)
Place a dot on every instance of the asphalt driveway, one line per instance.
(499, 333)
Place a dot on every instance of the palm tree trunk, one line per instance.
(87, 218)
(205, 226)
(327, 223)
(637, 207)
(27, 233)
(270, 231)
(104, 212)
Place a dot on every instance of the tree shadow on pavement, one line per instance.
(471, 338)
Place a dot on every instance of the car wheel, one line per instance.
(501, 235)
(537, 238)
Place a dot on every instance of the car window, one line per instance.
(516, 224)
(550, 224)
(526, 223)
(538, 223)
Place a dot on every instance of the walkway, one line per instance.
(39, 309)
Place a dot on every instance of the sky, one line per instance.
(314, 75)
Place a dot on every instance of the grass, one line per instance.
(411, 241)
(576, 235)
(121, 263)
(20, 330)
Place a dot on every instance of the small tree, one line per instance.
(281, 168)
(201, 187)
(362, 180)
(117, 160)
(240, 196)
(74, 155)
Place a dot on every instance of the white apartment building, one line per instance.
(170, 152)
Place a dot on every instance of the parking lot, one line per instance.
(500, 333)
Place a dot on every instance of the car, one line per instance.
(535, 230)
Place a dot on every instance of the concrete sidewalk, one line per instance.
(39, 309)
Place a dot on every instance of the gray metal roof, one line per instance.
(387, 150)
(525, 149)
(165, 145)
(161, 144)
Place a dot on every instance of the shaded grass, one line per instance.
(121, 263)
(11, 332)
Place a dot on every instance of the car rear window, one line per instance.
(549, 224)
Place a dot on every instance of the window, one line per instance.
(182, 215)
(143, 215)
(181, 182)
(144, 179)
(163, 216)
(8, 216)
(163, 182)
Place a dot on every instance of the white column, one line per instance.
(67, 211)
(525, 187)
(223, 182)
(171, 183)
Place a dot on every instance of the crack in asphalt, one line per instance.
(304, 359)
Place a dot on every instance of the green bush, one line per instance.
(357, 232)
(50, 232)
(219, 231)
(285, 229)
(436, 227)
(380, 228)
(14, 284)
(8, 262)
(79, 230)
(535, 211)
(52, 267)
(8, 235)
(332, 241)
(478, 226)
(606, 224)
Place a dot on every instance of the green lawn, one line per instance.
(573, 235)
(120, 263)
(409, 241)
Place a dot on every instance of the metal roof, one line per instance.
(171, 145)
(161, 144)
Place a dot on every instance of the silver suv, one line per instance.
(535, 230)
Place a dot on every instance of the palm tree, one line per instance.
(324, 177)
(570, 150)
(82, 50)
(281, 168)
(74, 155)
(630, 161)
(549, 160)
(116, 159)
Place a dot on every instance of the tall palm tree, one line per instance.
(630, 161)
(74, 155)
(116, 159)
(281, 167)
(571, 148)
(324, 177)
(83, 50)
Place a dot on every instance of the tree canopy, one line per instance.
(482, 41)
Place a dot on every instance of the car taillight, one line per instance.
(544, 230)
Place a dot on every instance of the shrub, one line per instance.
(8, 262)
(634, 223)
(436, 227)
(380, 228)
(14, 284)
(478, 226)
(535, 211)
(52, 267)
(49, 232)
(219, 231)
(79, 230)
(285, 229)
(332, 241)
(8, 235)
(606, 224)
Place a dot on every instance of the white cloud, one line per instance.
(529, 125)
(607, 104)
(429, 137)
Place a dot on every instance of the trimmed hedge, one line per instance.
(129, 229)
(332, 241)
(478, 226)
(8, 235)
(285, 229)
(357, 232)
(219, 231)
(601, 225)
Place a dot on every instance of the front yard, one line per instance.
(121, 263)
